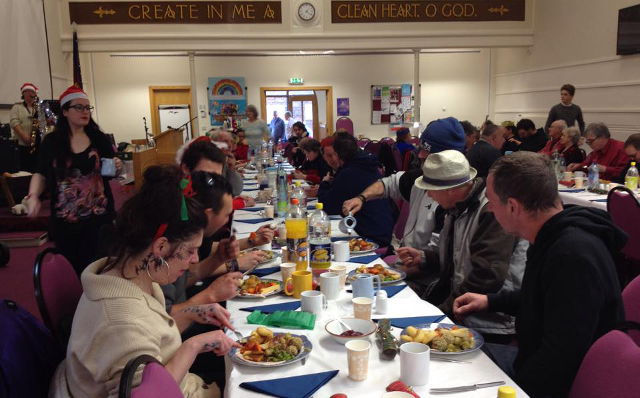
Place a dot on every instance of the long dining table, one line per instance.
(327, 355)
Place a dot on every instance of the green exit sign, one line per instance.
(296, 80)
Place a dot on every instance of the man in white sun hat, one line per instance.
(474, 253)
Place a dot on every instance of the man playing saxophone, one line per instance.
(22, 125)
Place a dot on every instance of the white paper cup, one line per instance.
(268, 211)
(362, 307)
(340, 270)
(340, 250)
(286, 269)
(414, 363)
(330, 285)
(578, 182)
(358, 359)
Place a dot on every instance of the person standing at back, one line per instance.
(566, 110)
(277, 128)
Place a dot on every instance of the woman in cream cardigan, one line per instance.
(121, 313)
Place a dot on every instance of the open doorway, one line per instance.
(309, 105)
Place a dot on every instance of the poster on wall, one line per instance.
(391, 104)
(343, 106)
(227, 99)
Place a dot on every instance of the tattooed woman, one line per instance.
(121, 313)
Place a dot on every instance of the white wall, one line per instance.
(457, 82)
(575, 42)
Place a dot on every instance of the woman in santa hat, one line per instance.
(69, 164)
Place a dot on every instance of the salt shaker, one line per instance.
(381, 302)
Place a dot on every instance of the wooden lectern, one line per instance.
(167, 144)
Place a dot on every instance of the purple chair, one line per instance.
(387, 141)
(631, 301)
(373, 147)
(344, 124)
(610, 368)
(156, 380)
(624, 209)
(398, 229)
(363, 142)
(58, 291)
(415, 141)
(397, 157)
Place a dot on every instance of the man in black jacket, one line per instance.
(487, 150)
(570, 293)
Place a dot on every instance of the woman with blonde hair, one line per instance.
(255, 130)
(570, 139)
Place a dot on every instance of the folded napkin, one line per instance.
(364, 259)
(254, 220)
(250, 189)
(571, 190)
(271, 308)
(414, 320)
(391, 290)
(284, 319)
(337, 238)
(253, 208)
(265, 271)
(291, 387)
(598, 200)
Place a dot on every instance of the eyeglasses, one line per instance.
(592, 140)
(81, 108)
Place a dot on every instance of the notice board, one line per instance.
(391, 103)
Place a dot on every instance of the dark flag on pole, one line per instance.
(77, 75)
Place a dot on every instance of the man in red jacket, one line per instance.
(607, 153)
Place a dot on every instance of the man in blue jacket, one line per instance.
(277, 128)
(357, 170)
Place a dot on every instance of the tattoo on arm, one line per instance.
(212, 346)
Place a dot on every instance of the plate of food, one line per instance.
(266, 349)
(270, 255)
(361, 246)
(386, 274)
(255, 287)
(443, 338)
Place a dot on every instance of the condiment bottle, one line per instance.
(381, 302)
(506, 392)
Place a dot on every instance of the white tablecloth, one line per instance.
(328, 355)
(582, 198)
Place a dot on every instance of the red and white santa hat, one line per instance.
(28, 86)
(72, 93)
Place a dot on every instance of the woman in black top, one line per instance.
(69, 165)
(292, 152)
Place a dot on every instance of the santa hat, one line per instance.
(28, 86)
(72, 93)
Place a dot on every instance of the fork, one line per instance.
(239, 335)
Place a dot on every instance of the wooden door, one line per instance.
(168, 95)
(305, 109)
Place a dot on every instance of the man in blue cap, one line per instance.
(439, 135)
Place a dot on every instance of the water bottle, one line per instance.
(298, 193)
(631, 178)
(319, 240)
(555, 161)
(270, 149)
(282, 203)
(593, 176)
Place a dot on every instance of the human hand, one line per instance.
(573, 166)
(469, 303)
(251, 259)
(213, 314)
(602, 168)
(263, 235)
(248, 201)
(410, 257)
(299, 175)
(227, 249)
(216, 341)
(224, 287)
(352, 205)
(327, 178)
(33, 205)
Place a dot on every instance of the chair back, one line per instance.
(624, 209)
(398, 229)
(415, 141)
(362, 142)
(610, 368)
(397, 157)
(156, 380)
(373, 147)
(58, 290)
(344, 124)
(387, 141)
(631, 302)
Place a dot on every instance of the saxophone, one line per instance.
(39, 124)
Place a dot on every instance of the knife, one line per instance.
(473, 387)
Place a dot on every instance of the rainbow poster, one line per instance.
(227, 99)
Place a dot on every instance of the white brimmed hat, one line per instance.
(445, 170)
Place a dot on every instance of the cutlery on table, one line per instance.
(472, 387)
(435, 358)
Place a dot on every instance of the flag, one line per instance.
(77, 75)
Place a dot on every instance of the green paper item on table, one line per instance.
(284, 319)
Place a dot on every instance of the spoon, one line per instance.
(344, 325)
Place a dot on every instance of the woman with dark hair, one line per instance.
(121, 313)
(242, 149)
(298, 132)
(69, 165)
(314, 168)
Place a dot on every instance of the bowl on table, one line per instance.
(364, 326)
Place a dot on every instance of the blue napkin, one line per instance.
(291, 387)
(311, 207)
(249, 189)
(271, 308)
(598, 200)
(364, 259)
(391, 290)
(414, 320)
(265, 271)
(253, 208)
(254, 220)
(337, 238)
(571, 190)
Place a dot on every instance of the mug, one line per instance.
(414, 363)
(362, 285)
(340, 250)
(301, 283)
(108, 167)
(330, 285)
(313, 301)
(286, 269)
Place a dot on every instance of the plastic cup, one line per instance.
(362, 307)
